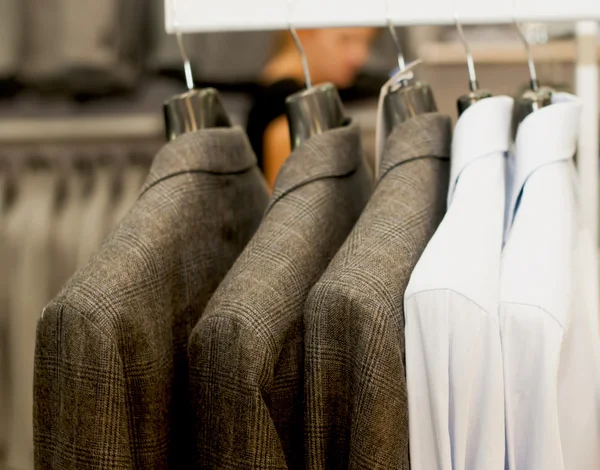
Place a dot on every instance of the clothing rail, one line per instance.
(232, 15)
(243, 15)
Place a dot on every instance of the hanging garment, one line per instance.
(30, 239)
(550, 350)
(102, 42)
(246, 352)
(84, 46)
(42, 57)
(579, 371)
(111, 348)
(68, 226)
(96, 219)
(356, 403)
(10, 37)
(453, 355)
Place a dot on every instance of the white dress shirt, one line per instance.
(548, 295)
(453, 353)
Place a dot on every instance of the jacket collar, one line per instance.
(334, 153)
(483, 129)
(217, 151)
(425, 135)
(546, 136)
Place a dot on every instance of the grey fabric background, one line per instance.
(355, 386)
(30, 237)
(111, 348)
(42, 217)
(11, 37)
(83, 45)
(246, 352)
(67, 228)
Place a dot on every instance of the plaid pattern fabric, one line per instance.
(110, 360)
(356, 412)
(246, 353)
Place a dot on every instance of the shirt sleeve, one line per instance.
(455, 383)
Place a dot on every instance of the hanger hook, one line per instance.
(187, 67)
(401, 62)
(392, 29)
(473, 85)
(303, 58)
(533, 80)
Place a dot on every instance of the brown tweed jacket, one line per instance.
(356, 412)
(246, 352)
(110, 364)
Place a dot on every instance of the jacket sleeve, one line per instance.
(80, 415)
(228, 374)
(356, 412)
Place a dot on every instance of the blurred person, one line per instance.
(334, 55)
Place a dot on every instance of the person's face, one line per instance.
(337, 55)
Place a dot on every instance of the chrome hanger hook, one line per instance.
(473, 85)
(187, 67)
(533, 80)
(392, 29)
(303, 58)
(401, 62)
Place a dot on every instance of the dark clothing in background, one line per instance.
(268, 105)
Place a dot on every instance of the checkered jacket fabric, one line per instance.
(356, 414)
(246, 353)
(110, 362)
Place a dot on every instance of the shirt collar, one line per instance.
(334, 153)
(483, 129)
(546, 136)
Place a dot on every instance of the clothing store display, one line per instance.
(413, 290)
(268, 105)
(549, 347)
(28, 235)
(110, 352)
(246, 352)
(355, 387)
(453, 353)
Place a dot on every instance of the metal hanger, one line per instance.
(195, 109)
(314, 110)
(403, 100)
(536, 97)
(475, 94)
